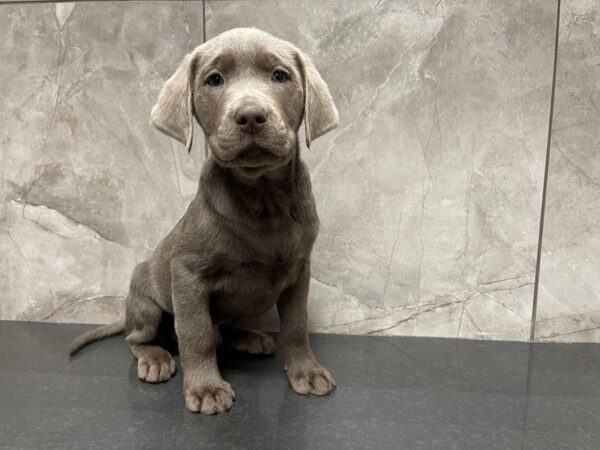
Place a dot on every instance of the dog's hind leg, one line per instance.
(255, 342)
(143, 318)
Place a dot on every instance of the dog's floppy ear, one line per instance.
(173, 113)
(320, 113)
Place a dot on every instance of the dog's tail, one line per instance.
(102, 332)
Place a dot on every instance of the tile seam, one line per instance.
(538, 262)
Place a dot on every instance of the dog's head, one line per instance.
(250, 92)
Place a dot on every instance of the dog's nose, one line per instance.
(250, 118)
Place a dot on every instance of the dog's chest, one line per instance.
(253, 285)
(252, 288)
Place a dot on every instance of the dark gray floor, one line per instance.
(395, 392)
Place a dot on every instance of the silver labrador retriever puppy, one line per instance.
(245, 242)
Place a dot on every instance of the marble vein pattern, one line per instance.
(89, 187)
(569, 293)
(429, 191)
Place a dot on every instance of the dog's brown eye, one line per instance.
(215, 80)
(280, 76)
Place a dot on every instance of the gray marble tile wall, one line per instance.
(89, 187)
(429, 191)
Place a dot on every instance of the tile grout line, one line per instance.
(203, 41)
(203, 21)
(538, 264)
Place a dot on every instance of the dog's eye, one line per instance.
(215, 80)
(280, 76)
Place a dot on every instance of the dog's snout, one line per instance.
(250, 118)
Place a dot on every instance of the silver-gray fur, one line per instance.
(244, 243)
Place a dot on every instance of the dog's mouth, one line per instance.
(251, 156)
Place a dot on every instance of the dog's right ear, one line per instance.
(173, 113)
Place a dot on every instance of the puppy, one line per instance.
(245, 241)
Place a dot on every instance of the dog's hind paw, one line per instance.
(253, 341)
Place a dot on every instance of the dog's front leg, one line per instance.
(306, 375)
(203, 388)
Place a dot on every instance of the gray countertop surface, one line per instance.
(393, 392)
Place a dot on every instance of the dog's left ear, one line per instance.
(320, 113)
(173, 113)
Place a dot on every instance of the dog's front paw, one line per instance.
(210, 398)
(310, 378)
